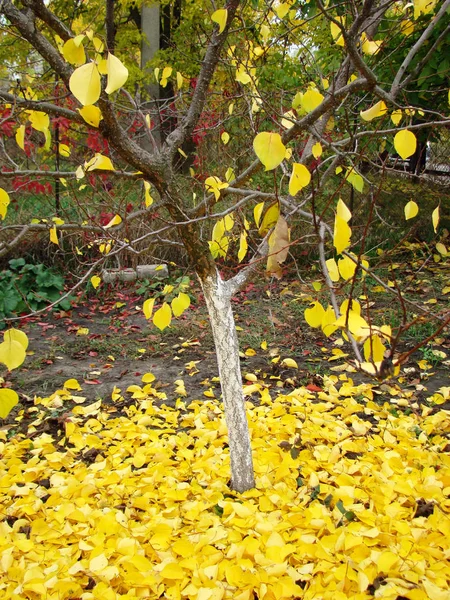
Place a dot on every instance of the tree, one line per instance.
(237, 104)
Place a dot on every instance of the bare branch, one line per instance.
(47, 107)
(49, 18)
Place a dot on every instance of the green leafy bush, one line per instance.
(25, 288)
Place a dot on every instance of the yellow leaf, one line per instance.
(167, 72)
(263, 345)
(342, 234)
(147, 307)
(39, 120)
(386, 561)
(91, 114)
(343, 211)
(180, 80)
(20, 136)
(407, 27)
(172, 570)
(117, 74)
(85, 84)
(148, 197)
(405, 143)
(99, 161)
(347, 267)
(4, 202)
(180, 304)
(148, 378)
(396, 116)
(314, 314)
(257, 212)
(311, 100)
(72, 384)
(411, 210)
(243, 246)
(242, 76)
(317, 150)
(162, 317)
(214, 184)
(377, 110)
(8, 400)
(54, 236)
(16, 335)
(225, 137)
(281, 9)
(332, 269)
(12, 354)
(288, 119)
(220, 17)
(423, 6)
(116, 220)
(327, 323)
(440, 247)
(64, 150)
(270, 218)
(355, 179)
(336, 32)
(81, 331)
(355, 307)
(356, 324)
(290, 363)
(369, 47)
(73, 51)
(229, 174)
(435, 218)
(374, 349)
(300, 178)
(270, 149)
(98, 563)
(95, 281)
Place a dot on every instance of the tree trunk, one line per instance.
(218, 301)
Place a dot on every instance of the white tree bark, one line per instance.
(218, 301)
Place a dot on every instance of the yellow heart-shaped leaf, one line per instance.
(8, 400)
(162, 317)
(405, 143)
(270, 149)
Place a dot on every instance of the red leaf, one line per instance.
(313, 388)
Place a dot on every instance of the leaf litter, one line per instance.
(126, 495)
(352, 498)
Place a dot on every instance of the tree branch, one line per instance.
(49, 18)
(397, 83)
(47, 107)
(209, 65)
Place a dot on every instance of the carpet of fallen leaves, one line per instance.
(352, 499)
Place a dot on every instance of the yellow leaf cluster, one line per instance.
(347, 493)
(214, 184)
(85, 82)
(220, 239)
